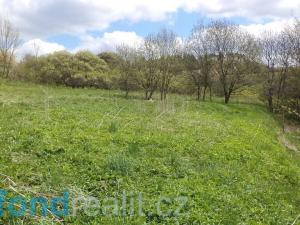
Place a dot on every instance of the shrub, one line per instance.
(120, 164)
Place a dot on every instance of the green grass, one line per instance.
(226, 159)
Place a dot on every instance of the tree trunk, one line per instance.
(283, 121)
(204, 93)
(126, 93)
(199, 92)
(270, 103)
(227, 97)
(270, 99)
(150, 94)
(161, 95)
(162, 88)
(146, 95)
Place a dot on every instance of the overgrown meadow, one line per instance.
(226, 160)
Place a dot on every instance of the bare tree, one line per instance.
(149, 76)
(284, 52)
(127, 67)
(168, 50)
(236, 52)
(294, 35)
(36, 52)
(199, 47)
(36, 49)
(288, 91)
(9, 41)
(270, 57)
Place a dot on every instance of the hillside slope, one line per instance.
(226, 159)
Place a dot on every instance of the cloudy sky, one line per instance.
(99, 25)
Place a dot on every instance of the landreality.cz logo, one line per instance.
(127, 204)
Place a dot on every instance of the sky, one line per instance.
(100, 25)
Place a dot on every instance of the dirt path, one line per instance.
(285, 141)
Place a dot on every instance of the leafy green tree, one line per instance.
(90, 64)
(89, 69)
(27, 68)
(112, 59)
(58, 67)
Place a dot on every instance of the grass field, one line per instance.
(225, 159)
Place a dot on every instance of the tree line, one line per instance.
(219, 58)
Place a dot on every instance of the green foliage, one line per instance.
(83, 69)
(112, 59)
(27, 68)
(89, 65)
(58, 68)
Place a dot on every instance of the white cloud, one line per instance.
(44, 17)
(41, 18)
(38, 46)
(108, 41)
(275, 26)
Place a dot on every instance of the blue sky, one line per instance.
(180, 22)
(100, 25)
